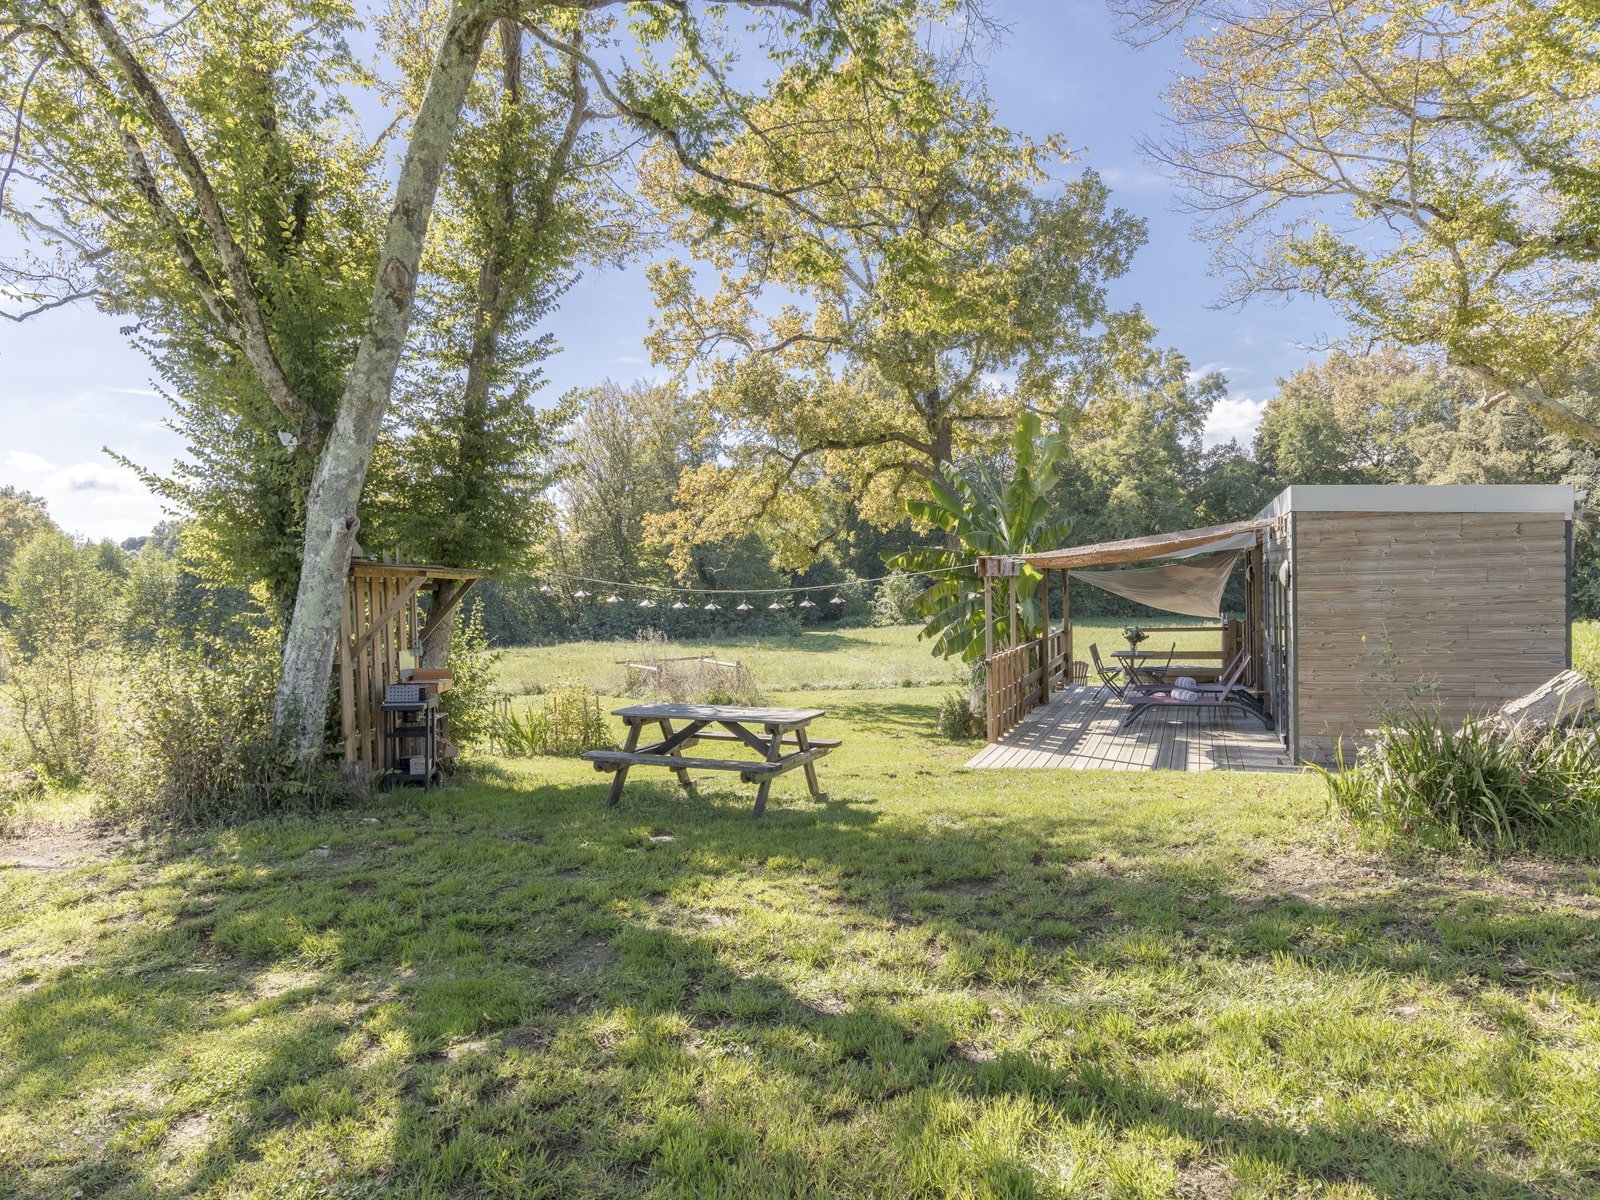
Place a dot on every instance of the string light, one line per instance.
(744, 606)
(546, 588)
(579, 594)
(837, 600)
(647, 603)
(679, 604)
(807, 604)
(711, 606)
(775, 606)
(613, 599)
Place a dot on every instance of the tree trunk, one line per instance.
(341, 470)
(435, 651)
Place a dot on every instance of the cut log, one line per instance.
(1567, 699)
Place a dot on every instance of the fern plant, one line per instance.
(984, 515)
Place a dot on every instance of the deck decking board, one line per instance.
(1078, 731)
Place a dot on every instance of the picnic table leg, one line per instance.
(804, 743)
(681, 772)
(774, 753)
(621, 776)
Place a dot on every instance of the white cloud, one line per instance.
(27, 466)
(95, 477)
(1234, 417)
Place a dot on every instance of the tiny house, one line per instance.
(1455, 598)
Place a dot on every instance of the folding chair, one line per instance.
(1110, 680)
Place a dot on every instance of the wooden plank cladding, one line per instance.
(1457, 611)
(379, 623)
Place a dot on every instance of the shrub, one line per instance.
(570, 721)
(470, 702)
(957, 719)
(197, 745)
(1530, 787)
(896, 600)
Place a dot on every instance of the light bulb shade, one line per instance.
(679, 604)
(647, 603)
(579, 594)
(807, 604)
(776, 604)
(546, 588)
(613, 599)
(711, 606)
(743, 607)
(837, 600)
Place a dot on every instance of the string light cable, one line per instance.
(677, 594)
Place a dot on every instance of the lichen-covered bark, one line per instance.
(331, 521)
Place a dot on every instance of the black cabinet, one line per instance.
(411, 720)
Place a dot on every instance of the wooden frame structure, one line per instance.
(1449, 598)
(1020, 678)
(1359, 601)
(381, 621)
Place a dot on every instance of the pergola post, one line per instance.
(1044, 638)
(990, 716)
(1066, 629)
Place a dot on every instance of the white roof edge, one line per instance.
(1423, 497)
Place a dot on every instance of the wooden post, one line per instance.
(1066, 621)
(988, 655)
(1044, 639)
(1011, 613)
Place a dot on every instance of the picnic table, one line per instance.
(778, 734)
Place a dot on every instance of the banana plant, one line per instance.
(986, 516)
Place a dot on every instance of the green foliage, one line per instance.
(1357, 419)
(1428, 169)
(895, 600)
(957, 719)
(471, 699)
(882, 249)
(57, 646)
(981, 515)
(22, 514)
(1529, 788)
(192, 744)
(569, 721)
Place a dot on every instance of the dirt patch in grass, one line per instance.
(186, 1135)
(1312, 875)
(574, 974)
(52, 850)
(1204, 1181)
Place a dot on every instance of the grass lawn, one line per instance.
(939, 983)
(820, 659)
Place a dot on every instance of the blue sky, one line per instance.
(69, 384)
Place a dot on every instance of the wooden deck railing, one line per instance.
(1017, 684)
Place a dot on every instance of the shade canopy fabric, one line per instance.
(1142, 549)
(1193, 589)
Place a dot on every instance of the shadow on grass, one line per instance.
(509, 991)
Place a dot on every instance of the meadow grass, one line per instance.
(939, 982)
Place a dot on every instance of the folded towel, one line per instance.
(1184, 681)
(1183, 693)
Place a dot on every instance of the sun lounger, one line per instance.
(1230, 695)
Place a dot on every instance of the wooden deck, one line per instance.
(1077, 730)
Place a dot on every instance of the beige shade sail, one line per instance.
(1141, 549)
(1191, 588)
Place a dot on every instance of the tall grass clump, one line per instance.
(1529, 787)
(569, 721)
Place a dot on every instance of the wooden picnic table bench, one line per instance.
(777, 734)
